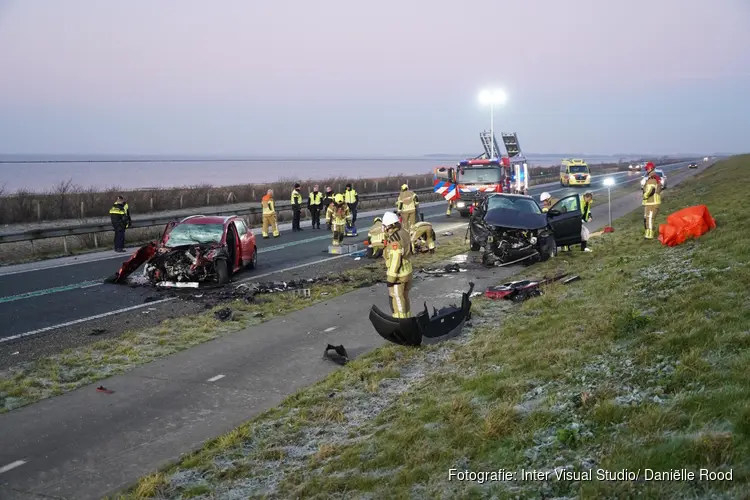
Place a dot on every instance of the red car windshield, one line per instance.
(475, 175)
(190, 234)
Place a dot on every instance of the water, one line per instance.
(42, 174)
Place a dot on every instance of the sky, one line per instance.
(374, 78)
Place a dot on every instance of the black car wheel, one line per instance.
(254, 260)
(548, 248)
(222, 271)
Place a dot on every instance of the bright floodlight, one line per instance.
(609, 181)
(492, 97)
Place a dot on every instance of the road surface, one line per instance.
(86, 444)
(70, 291)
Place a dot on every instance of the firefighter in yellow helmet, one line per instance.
(397, 252)
(269, 214)
(651, 201)
(407, 205)
(375, 238)
(337, 217)
(423, 237)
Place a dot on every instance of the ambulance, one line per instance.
(574, 172)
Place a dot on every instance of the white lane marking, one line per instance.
(329, 329)
(12, 466)
(83, 320)
(217, 377)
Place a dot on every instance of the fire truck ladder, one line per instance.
(511, 144)
(489, 142)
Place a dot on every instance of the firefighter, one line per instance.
(352, 200)
(547, 201)
(314, 204)
(397, 250)
(328, 198)
(337, 217)
(407, 205)
(120, 216)
(450, 208)
(296, 207)
(651, 201)
(375, 238)
(423, 237)
(269, 214)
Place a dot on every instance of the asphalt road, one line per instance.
(87, 444)
(42, 297)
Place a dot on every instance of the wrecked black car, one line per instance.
(512, 228)
(198, 249)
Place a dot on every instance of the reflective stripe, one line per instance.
(296, 196)
(268, 206)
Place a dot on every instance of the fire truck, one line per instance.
(466, 183)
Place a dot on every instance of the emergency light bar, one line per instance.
(521, 176)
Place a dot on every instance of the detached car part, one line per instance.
(444, 324)
(518, 291)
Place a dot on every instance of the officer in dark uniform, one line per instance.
(120, 216)
(314, 204)
(296, 207)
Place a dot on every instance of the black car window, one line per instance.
(511, 203)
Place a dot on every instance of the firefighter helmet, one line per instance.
(338, 199)
(404, 187)
(389, 219)
(545, 196)
(377, 219)
(649, 167)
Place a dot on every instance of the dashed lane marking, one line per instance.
(217, 377)
(11, 466)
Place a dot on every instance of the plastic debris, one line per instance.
(103, 389)
(225, 314)
(342, 357)
(518, 291)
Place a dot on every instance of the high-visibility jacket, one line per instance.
(338, 215)
(408, 201)
(351, 196)
(269, 208)
(315, 199)
(586, 210)
(396, 252)
(120, 215)
(652, 192)
(420, 230)
(376, 236)
(296, 198)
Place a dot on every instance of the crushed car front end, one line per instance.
(185, 264)
(507, 237)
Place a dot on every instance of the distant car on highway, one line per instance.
(635, 166)
(693, 165)
(195, 250)
(661, 175)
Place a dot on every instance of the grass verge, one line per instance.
(640, 365)
(54, 375)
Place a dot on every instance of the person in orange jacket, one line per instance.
(269, 214)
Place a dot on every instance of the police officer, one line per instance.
(352, 200)
(328, 198)
(651, 201)
(397, 250)
(314, 204)
(269, 214)
(120, 216)
(586, 201)
(296, 207)
(407, 204)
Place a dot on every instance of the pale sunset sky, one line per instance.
(388, 77)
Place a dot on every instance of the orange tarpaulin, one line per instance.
(683, 224)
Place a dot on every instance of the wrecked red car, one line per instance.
(197, 249)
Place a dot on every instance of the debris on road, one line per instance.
(444, 323)
(98, 331)
(342, 357)
(447, 233)
(448, 269)
(518, 291)
(225, 314)
(103, 389)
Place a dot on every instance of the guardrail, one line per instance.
(146, 221)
